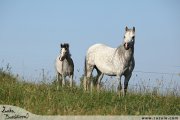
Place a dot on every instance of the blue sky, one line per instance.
(31, 32)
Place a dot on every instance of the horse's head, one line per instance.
(129, 38)
(64, 51)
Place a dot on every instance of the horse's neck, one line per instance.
(127, 55)
(67, 60)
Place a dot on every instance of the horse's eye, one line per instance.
(133, 37)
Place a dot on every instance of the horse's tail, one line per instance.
(85, 67)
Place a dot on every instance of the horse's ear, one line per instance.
(67, 45)
(126, 28)
(133, 29)
(61, 45)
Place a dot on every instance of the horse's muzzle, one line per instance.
(126, 46)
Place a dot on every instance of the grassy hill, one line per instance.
(44, 99)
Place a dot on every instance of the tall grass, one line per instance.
(44, 99)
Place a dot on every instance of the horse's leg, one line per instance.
(63, 80)
(99, 77)
(127, 77)
(89, 81)
(71, 80)
(85, 83)
(99, 81)
(119, 86)
(59, 79)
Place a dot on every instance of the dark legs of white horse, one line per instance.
(120, 88)
(99, 77)
(126, 80)
(127, 77)
(99, 81)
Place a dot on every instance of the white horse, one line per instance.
(111, 61)
(64, 66)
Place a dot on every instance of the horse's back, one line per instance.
(101, 56)
(99, 51)
(100, 48)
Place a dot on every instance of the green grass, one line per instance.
(44, 99)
